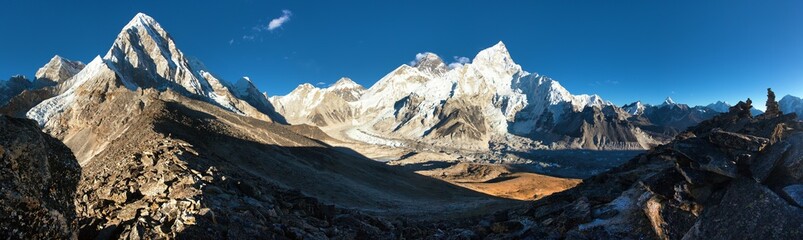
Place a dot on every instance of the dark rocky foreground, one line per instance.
(38, 178)
(732, 177)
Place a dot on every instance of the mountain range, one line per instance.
(166, 149)
(489, 101)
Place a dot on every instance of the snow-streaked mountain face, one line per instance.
(792, 104)
(308, 104)
(13, 86)
(145, 56)
(465, 106)
(635, 108)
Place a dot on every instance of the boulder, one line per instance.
(765, 162)
(738, 141)
(38, 179)
(668, 221)
(749, 210)
(706, 157)
(791, 167)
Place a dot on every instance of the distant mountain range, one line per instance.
(168, 150)
(485, 101)
(490, 100)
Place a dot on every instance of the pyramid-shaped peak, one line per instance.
(495, 54)
(500, 46)
(56, 58)
(142, 19)
(429, 62)
(59, 69)
(344, 83)
(427, 59)
(669, 101)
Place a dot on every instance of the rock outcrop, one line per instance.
(38, 179)
(773, 109)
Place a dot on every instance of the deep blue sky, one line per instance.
(697, 52)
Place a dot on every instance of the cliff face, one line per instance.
(38, 179)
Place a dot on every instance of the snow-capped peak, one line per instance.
(304, 87)
(243, 86)
(719, 106)
(669, 101)
(142, 19)
(495, 54)
(58, 69)
(635, 108)
(344, 83)
(428, 62)
(496, 59)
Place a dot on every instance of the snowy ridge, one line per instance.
(635, 108)
(54, 106)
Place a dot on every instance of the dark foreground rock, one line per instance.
(38, 178)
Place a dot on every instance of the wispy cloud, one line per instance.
(320, 83)
(459, 62)
(606, 82)
(281, 20)
(231, 41)
(275, 23)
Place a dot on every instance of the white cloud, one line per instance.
(231, 41)
(278, 22)
(320, 83)
(459, 62)
(248, 37)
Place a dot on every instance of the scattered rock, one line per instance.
(507, 226)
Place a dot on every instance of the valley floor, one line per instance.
(518, 175)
